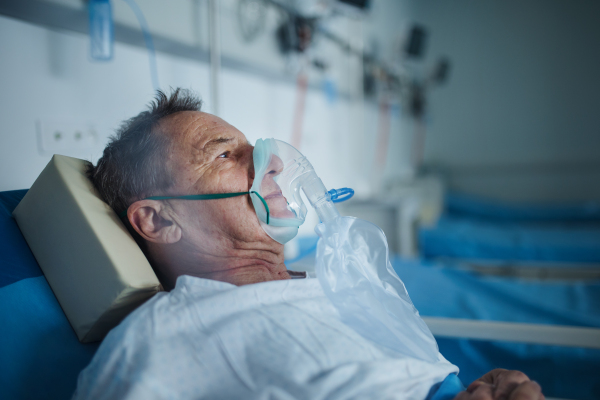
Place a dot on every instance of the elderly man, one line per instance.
(247, 336)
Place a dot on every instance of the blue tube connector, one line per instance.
(339, 195)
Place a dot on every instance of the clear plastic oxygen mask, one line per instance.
(281, 173)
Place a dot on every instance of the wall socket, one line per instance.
(65, 137)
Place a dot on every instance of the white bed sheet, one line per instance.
(272, 340)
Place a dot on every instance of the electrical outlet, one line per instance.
(64, 137)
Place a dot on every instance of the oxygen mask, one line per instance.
(281, 173)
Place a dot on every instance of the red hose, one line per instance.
(302, 83)
(383, 133)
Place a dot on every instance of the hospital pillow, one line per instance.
(93, 265)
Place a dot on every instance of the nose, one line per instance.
(276, 165)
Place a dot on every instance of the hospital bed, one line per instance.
(504, 253)
(565, 236)
(41, 356)
(544, 248)
(546, 327)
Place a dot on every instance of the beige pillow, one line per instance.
(95, 268)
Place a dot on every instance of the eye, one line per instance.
(225, 155)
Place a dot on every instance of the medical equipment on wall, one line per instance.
(148, 40)
(251, 17)
(102, 34)
(101, 30)
(353, 266)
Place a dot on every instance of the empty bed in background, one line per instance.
(471, 228)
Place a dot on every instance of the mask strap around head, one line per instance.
(213, 196)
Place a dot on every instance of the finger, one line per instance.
(462, 396)
(475, 384)
(492, 376)
(506, 383)
(527, 391)
(483, 392)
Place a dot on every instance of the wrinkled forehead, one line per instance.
(194, 135)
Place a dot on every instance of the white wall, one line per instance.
(48, 76)
(519, 118)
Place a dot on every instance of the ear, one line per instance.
(151, 220)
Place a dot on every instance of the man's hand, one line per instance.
(501, 384)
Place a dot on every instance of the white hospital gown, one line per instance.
(272, 340)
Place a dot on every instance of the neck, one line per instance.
(236, 263)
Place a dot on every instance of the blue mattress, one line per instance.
(17, 261)
(563, 372)
(461, 205)
(473, 238)
(40, 356)
(483, 229)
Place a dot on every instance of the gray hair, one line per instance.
(133, 165)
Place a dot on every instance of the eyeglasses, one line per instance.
(213, 196)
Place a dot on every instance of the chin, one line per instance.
(281, 211)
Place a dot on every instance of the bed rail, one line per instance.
(556, 335)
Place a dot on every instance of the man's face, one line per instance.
(207, 155)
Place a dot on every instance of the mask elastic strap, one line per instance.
(264, 203)
(199, 196)
(213, 196)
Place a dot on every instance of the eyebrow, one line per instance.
(216, 141)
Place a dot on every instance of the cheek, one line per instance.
(199, 216)
(229, 181)
(239, 221)
(235, 216)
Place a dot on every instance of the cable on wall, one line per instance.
(148, 40)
